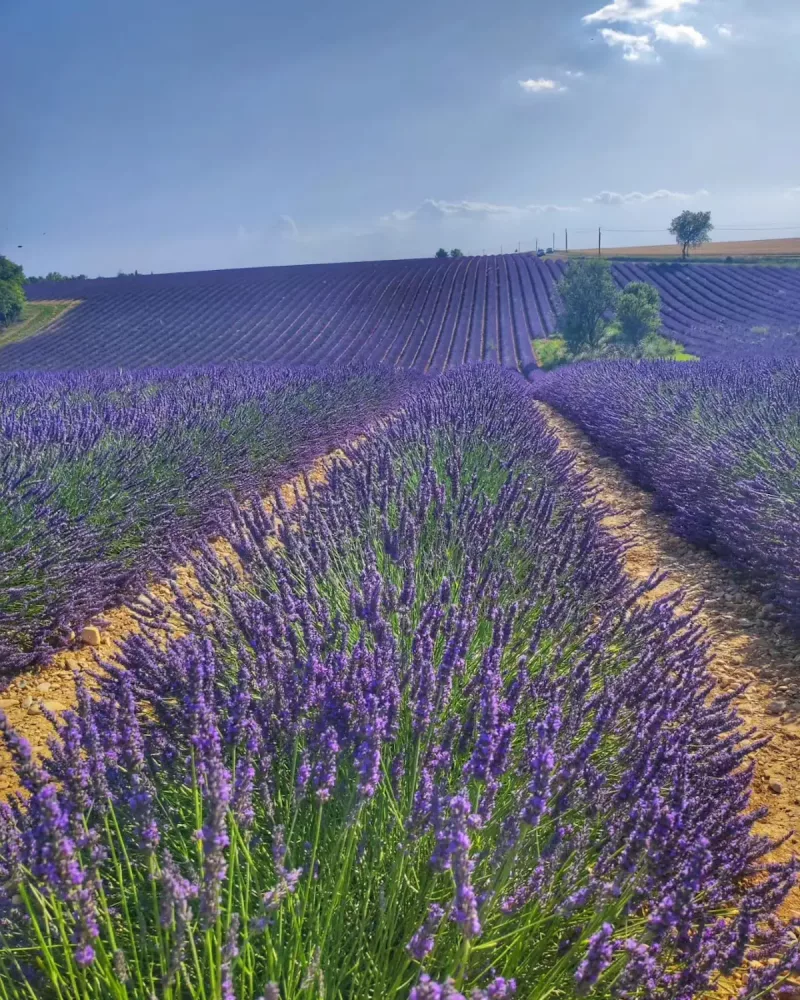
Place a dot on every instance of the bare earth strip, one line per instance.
(747, 648)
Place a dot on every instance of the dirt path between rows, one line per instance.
(53, 687)
(747, 647)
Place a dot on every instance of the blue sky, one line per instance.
(168, 135)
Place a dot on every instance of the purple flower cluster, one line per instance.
(716, 442)
(428, 743)
(105, 477)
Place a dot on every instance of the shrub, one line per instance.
(12, 301)
(639, 311)
(12, 294)
(588, 293)
(551, 352)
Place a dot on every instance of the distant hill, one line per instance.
(426, 314)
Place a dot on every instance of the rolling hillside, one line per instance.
(425, 314)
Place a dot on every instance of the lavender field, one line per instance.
(105, 478)
(390, 715)
(718, 443)
(430, 315)
(422, 739)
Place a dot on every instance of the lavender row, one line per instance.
(428, 745)
(719, 445)
(423, 314)
(103, 477)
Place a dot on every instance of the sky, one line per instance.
(168, 136)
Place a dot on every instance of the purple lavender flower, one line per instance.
(423, 940)
(599, 956)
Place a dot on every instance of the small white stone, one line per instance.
(91, 635)
(775, 786)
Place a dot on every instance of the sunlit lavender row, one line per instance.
(719, 445)
(420, 741)
(105, 476)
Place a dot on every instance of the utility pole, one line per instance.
(599, 241)
(537, 244)
(553, 244)
(566, 241)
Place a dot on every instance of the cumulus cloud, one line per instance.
(432, 210)
(632, 11)
(541, 86)
(633, 46)
(639, 197)
(679, 34)
(724, 30)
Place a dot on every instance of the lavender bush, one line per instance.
(719, 445)
(104, 475)
(423, 743)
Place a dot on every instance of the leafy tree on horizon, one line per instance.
(12, 294)
(588, 292)
(441, 252)
(456, 253)
(639, 311)
(9, 271)
(35, 279)
(691, 229)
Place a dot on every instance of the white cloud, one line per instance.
(574, 74)
(282, 225)
(541, 86)
(724, 30)
(285, 225)
(793, 192)
(633, 11)
(432, 210)
(633, 46)
(638, 197)
(679, 34)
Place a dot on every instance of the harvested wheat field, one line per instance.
(752, 249)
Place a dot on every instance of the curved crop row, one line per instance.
(421, 314)
(105, 476)
(424, 314)
(719, 445)
(429, 745)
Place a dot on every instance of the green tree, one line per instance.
(638, 311)
(588, 293)
(691, 229)
(456, 253)
(12, 294)
(12, 299)
(441, 252)
(9, 271)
